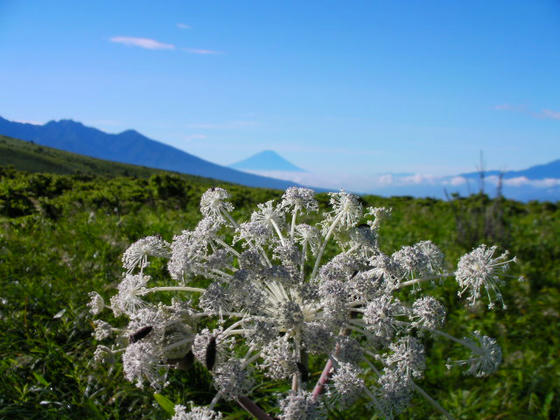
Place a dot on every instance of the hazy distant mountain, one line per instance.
(525, 192)
(267, 160)
(547, 170)
(129, 147)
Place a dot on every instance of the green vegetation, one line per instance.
(28, 156)
(62, 236)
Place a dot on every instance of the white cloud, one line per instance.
(349, 182)
(417, 179)
(183, 26)
(152, 44)
(373, 183)
(29, 122)
(538, 183)
(512, 182)
(386, 179)
(521, 181)
(147, 43)
(549, 182)
(457, 180)
(200, 51)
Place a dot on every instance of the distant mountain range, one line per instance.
(269, 170)
(129, 147)
(267, 160)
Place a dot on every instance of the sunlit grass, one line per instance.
(62, 236)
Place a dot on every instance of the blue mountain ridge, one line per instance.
(547, 170)
(130, 147)
(267, 160)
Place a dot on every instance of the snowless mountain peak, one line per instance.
(267, 160)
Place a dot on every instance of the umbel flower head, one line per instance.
(259, 300)
(480, 269)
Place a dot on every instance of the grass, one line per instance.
(62, 236)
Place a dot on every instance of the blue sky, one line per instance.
(339, 88)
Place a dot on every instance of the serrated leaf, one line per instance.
(165, 403)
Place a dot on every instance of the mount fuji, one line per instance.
(266, 161)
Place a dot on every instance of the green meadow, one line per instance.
(63, 231)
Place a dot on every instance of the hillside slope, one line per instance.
(31, 157)
(129, 147)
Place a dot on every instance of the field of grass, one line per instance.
(62, 236)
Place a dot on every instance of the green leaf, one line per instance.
(165, 403)
(94, 410)
(547, 403)
(41, 379)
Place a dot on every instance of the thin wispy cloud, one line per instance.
(146, 43)
(152, 44)
(510, 107)
(183, 26)
(201, 51)
(550, 114)
(544, 114)
(192, 137)
(223, 126)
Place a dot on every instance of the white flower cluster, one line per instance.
(278, 301)
(480, 269)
